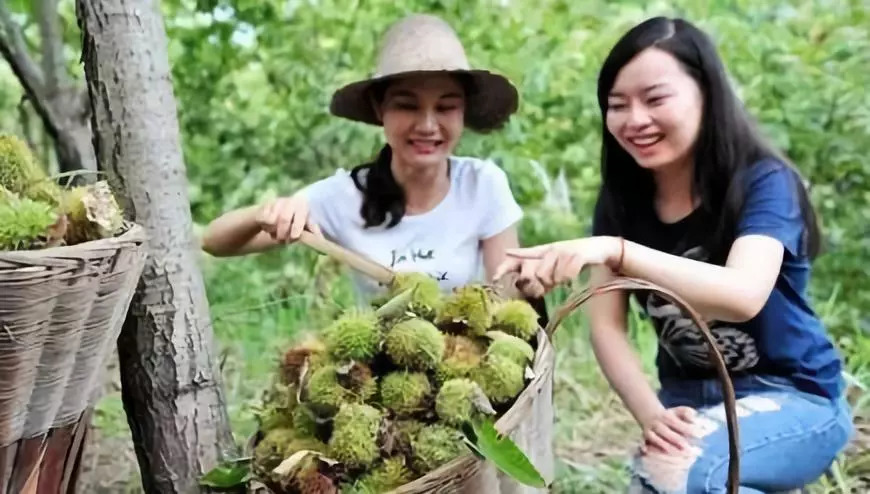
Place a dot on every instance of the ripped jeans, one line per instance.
(787, 438)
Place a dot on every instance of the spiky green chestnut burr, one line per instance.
(330, 386)
(461, 356)
(426, 296)
(405, 392)
(454, 403)
(386, 476)
(354, 435)
(269, 452)
(324, 393)
(517, 318)
(21, 174)
(24, 223)
(469, 307)
(500, 378)
(436, 445)
(303, 421)
(511, 347)
(415, 344)
(355, 335)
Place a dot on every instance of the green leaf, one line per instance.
(226, 475)
(486, 442)
(395, 306)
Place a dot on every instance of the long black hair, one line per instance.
(382, 194)
(728, 142)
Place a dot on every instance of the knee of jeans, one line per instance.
(666, 473)
(699, 468)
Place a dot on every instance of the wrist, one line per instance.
(648, 415)
(616, 254)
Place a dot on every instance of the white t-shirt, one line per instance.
(443, 242)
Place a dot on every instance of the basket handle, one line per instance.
(577, 299)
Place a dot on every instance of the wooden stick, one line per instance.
(370, 268)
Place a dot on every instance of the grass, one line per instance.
(593, 432)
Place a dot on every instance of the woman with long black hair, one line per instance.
(693, 199)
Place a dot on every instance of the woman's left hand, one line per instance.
(548, 265)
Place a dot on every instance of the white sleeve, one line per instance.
(326, 198)
(500, 208)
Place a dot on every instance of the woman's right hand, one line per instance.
(285, 218)
(669, 430)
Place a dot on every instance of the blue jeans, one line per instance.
(787, 438)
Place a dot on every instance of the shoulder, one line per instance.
(477, 174)
(482, 189)
(773, 203)
(474, 166)
(772, 175)
(772, 185)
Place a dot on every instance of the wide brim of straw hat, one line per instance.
(426, 45)
(491, 102)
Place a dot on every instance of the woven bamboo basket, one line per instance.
(61, 310)
(529, 420)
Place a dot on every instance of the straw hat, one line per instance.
(420, 44)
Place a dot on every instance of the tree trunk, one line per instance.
(72, 132)
(171, 386)
(73, 141)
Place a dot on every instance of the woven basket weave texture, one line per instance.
(61, 310)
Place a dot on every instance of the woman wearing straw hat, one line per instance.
(416, 207)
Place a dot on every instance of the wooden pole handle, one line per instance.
(370, 268)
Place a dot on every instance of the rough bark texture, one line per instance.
(171, 387)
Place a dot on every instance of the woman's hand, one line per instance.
(542, 267)
(285, 218)
(669, 431)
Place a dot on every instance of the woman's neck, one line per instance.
(673, 198)
(425, 187)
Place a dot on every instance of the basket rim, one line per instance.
(133, 233)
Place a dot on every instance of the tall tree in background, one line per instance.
(60, 102)
(171, 387)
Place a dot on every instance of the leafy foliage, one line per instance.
(227, 475)
(253, 80)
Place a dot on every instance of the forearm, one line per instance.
(723, 293)
(229, 234)
(495, 249)
(622, 368)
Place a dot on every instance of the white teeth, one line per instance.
(645, 141)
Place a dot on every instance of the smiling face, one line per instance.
(423, 118)
(654, 110)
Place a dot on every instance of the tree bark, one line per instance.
(62, 106)
(171, 387)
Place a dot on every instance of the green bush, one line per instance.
(254, 78)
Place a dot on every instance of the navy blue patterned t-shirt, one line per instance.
(786, 337)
